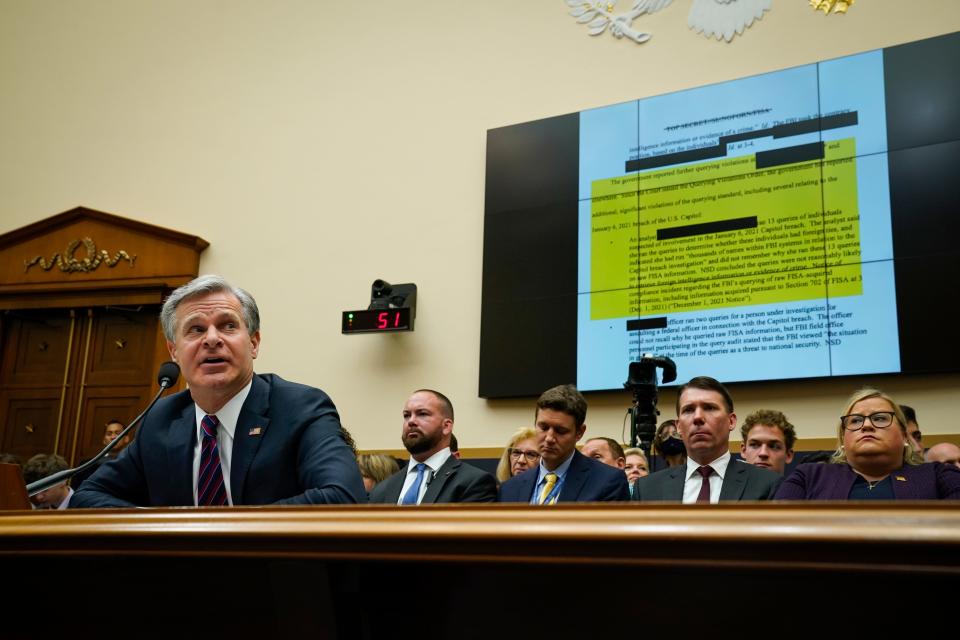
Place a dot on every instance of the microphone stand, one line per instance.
(166, 380)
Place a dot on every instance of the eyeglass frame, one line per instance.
(531, 456)
(843, 420)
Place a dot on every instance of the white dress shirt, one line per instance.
(228, 416)
(691, 488)
(433, 463)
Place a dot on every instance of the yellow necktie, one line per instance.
(550, 480)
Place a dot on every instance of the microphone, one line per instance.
(166, 378)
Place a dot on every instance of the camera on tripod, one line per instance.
(642, 381)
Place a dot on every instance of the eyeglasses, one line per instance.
(531, 456)
(855, 421)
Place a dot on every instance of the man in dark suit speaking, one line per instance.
(564, 474)
(705, 419)
(233, 437)
(434, 475)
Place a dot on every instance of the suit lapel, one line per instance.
(526, 483)
(446, 471)
(251, 429)
(673, 488)
(576, 479)
(180, 445)
(735, 481)
(393, 484)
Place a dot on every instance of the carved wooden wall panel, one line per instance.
(30, 421)
(80, 341)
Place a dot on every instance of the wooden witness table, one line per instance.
(477, 570)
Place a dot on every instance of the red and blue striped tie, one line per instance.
(210, 489)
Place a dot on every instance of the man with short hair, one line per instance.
(564, 474)
(913, 428)
(945, 452)
(454, 446)
(768, 439)
(434, 475)
(111, 430)
(606, 450)
(40, 466)
(233, 437)
(705, 419)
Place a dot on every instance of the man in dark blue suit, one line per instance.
(564, 474)
(233, 437)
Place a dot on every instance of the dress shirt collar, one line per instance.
(719, 466)
(433, 463)
(561, 470)
(229, 413)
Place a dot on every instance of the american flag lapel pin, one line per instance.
(255, 431)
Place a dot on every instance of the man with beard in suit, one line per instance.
(434, 474)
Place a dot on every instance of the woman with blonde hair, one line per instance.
(375, 468)
(520, 454)
(875, 460)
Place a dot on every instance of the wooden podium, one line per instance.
(479, 571)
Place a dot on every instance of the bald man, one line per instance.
(945, 452)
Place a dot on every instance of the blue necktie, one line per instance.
(410, 497)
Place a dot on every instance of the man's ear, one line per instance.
(582, 429)
(172, 348)
(789, 457)
(255, 341)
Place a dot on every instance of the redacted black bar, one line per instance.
(802, 127)
(647, 323)
(686, 231)
(789, 155)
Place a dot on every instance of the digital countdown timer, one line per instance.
(377, 320)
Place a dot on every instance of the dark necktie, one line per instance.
(413, 493)
(210, 489)
(704, 495)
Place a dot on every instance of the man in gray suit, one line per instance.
(705, 419)
(434, 474)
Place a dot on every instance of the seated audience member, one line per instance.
(668, 443)
(945, 452)
(636, 466)
(519, 455)
(40, 466)
(874, 460)
(913, 432)
(564, 474)
(9, 458)
(375, 468)
(606, 450)
(454, 447)
(433, 475)
(233, 437)
(768, 439)
(705, 419)
(111, 430)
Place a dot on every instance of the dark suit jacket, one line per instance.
(288, 448)
(931, 481)
(741, 482)
(455, 481)
(586, 481)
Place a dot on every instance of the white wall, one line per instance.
(320, 145)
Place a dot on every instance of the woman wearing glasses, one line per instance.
(875, 460)
(521, 454)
